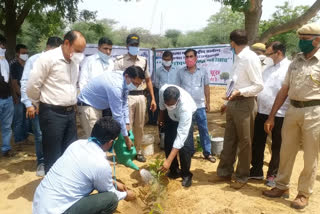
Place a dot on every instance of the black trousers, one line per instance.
(185, 153)
(259, 144)
(153, 116)
(59, 130)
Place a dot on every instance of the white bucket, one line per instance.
(147, 145)
(216, 145)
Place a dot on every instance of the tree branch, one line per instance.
(292, 24)
(24, 13)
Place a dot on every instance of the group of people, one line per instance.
(266, 96)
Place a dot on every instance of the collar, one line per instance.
(243, 52)
(316, 55)
(128, 58)
(186, 69)
(60, 54)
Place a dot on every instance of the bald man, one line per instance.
(52, 88)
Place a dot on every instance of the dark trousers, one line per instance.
(153, 116)
(59, 130)
(185, 153)
(101, 203)
(259, 144)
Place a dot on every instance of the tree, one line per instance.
(13, 14)
(224, 76)
(252, 10)
(173, 35)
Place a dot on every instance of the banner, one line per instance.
(216, 59)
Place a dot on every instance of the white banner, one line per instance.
(216, 59)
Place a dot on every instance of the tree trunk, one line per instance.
(292, 24)
(10, 31)
(252, 19)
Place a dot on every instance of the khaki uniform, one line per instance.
(137, 103)
(301, 125)
(88, 117)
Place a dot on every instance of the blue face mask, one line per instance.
(133, 50)
(104, 57)
(131, 87)
(95, 140)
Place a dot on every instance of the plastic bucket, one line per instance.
(148, 145)
(216, 145)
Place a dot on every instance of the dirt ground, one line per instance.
(18, 183)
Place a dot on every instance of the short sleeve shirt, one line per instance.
(16, 71)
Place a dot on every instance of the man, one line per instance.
(80, 170)
(272, 77)
(136, 98)
(167, 73)
(177, 121)
(19, 121)
(98, 63)
(260, 49)
(302, 121)
(195, 81)
(52, 86)
(109, 91)
(241, 110)
(31, 110)
(6, 102)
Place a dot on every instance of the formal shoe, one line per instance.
(276, 193)
(256, 176)
(237, 184)
(141, 158)
(187, 181)
(299, 202)
(217, 179)
(8, 154)
(174, 175)
(40, 170)
(210, 158)
(270, 181)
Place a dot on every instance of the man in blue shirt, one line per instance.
(109, 91)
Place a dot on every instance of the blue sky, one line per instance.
(184, 15)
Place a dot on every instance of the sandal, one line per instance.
(211, 158)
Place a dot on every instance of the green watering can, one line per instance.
(125, 156)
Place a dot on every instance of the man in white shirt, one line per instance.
(52, 86)
(98, 63)
(241, 110)
(177, 122)
(80, 170)
(272, 77)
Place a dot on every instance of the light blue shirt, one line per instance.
(194, 84)
(182, 114)
(24, 79)
(166, 77)
(108, 90)
(82, 168)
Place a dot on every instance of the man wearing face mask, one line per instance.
(167, 73)
(176, 110)
(6, 102)
(137, 100)
(52, 87)
(108, 91)
(259, 49)
(195, 80)
(302, 120)
(80, 170)
(98, 63)
(273, 78)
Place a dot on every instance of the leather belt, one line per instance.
(79, 103)
(302, 104)
(59, 109)
(241, 98)
(135, 93)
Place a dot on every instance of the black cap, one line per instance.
(133, 39)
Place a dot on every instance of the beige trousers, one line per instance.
(88, 117)
(300, 126)
(137, 112)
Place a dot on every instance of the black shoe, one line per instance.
(187, 181)
(141, 158)
(8, 154)
(174, 175)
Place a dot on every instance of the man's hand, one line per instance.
(121, 187)
(130, 195)
(166, 165)
(31, 112)
(268, 125)
(207, 107)
(128, 142)
(234, 94)
(153, 105)
(223, 109)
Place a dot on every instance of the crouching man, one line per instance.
(81, 169)
(178, 131)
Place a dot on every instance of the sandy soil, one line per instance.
(18, 183)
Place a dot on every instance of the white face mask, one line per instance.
(268, 61)
(2, 52)
(131, 87)
(171, 108)
(166, 63)
(24, 57)
(77, 58)
(262, 57)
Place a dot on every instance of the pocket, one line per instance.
(313, 77)
(197, 81)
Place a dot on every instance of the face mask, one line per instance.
(133, 50)
(2, 52)
(306, 46)
(77, 58)
(104, 57)
(166, 63)
(171, 108)
(24, 57)
(190, 62)
(268, 61)
(262, 57)
(131, 87)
